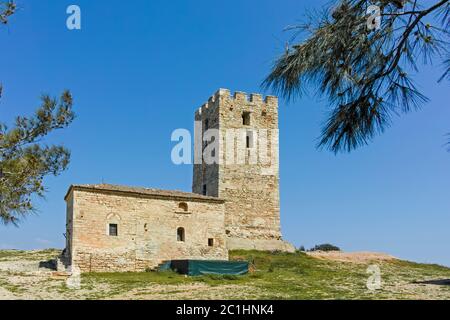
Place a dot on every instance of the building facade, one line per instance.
(114, 228)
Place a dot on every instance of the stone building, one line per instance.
(115, 228)
(234, 204)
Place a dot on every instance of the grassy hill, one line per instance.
(274, 276)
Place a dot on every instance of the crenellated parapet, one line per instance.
(224, 97)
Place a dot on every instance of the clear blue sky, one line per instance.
(139, 69)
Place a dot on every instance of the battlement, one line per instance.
(240, 97)
(243, 96)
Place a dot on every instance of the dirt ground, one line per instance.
(354, 257)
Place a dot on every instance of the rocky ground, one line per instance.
(318, 275)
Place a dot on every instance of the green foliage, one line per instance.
(25, 161)
(364, 71)
(325, 247)
(7, 9)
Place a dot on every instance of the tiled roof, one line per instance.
(157, 193)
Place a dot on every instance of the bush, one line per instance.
(325, 247)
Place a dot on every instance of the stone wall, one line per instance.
(147, 231)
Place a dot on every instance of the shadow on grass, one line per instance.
(438, 282)
(50, 264)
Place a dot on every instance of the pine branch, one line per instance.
(6, 10)
(363, 72)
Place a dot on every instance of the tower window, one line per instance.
(204, 191)
(249, 139)
(180, 235)
(113, 230)
(246, 118)
(210, 242)
(206, 124)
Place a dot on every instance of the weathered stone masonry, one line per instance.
(147, 222)
(250, 188)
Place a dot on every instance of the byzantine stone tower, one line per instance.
(236, 147)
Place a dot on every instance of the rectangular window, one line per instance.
(206, 124)
(113, 230)
(246, 118)
(249, 139)
(180, 235)
(210, 242)
(204, 190)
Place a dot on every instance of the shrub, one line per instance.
(325, 247)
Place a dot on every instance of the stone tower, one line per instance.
(236, 147)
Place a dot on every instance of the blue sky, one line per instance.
(139, 70)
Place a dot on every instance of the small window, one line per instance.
(180, 235)
(113, 230)
(206, 124)
(204, 192)
(246, 118)
(210, 242)
(183, 206)
(249, 139)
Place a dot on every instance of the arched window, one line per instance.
(180, 235)
(183, 206)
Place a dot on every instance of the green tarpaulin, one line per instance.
(202, 267)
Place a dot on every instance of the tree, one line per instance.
(360, 56)
(24, 159)
(325, 247)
